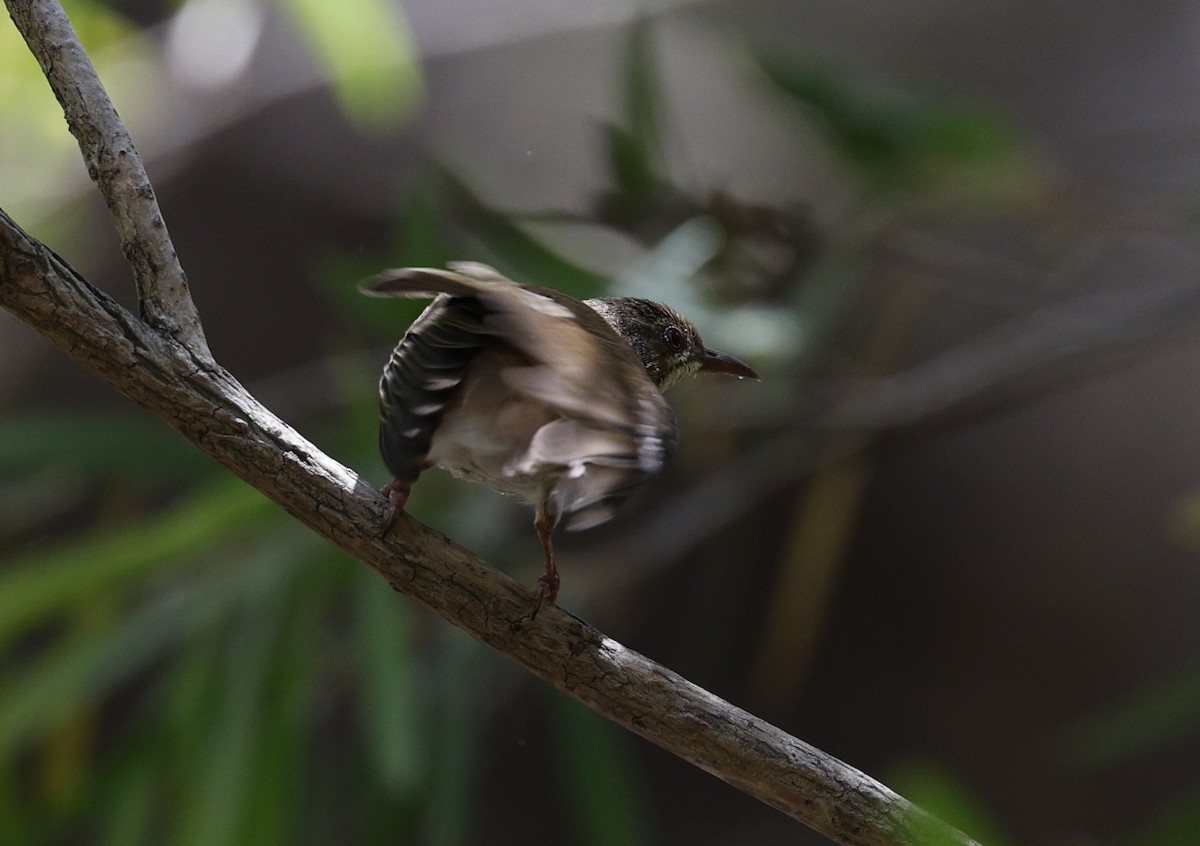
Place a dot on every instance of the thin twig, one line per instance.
(171, 374)
(115, 167)
(1034, 345)
(212, 410)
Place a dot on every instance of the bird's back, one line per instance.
(527, 391)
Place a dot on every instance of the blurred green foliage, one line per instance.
(1138, 725)
(41, 158)
(901, 141)
(186, 665)
(362, 48)
(368, 54)
(599, 770)
(1179, 825)
(940, 792)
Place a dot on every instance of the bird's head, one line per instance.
(665, 341)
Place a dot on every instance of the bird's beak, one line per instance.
(718, 362)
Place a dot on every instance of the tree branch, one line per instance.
(1036, 346)
(163, 363)
(115, 166)
(211, 409)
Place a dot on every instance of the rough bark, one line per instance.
(162, 362)
(115, 167)
(212, 410)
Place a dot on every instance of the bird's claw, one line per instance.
(397, 496)
(547, 593)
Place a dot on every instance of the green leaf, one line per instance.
(423, 227)
(129, 791)
(452, 798)
(369, 53)
(389, 695)
(190, 691)
(37, 585)
(893, 137)
(643, 88)
(600, 776)
(1148, 720)
(217, 800)
(285, 737)
(31, 120)
(18, 825)
(98, 444)
(635, 149)
(632, 169)
(1178, 825)
(517, 253)
(942, 794)
(86, 665)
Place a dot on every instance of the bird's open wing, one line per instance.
(574, 364)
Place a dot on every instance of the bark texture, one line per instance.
(212, 410)
(162, 362)
(115, 166)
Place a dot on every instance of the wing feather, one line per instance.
(616, 428)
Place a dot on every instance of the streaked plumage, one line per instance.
(533, 393)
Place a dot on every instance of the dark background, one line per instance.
(950, 538)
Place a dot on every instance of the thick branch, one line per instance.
(114, 165)
(171, 373)
(211, 409)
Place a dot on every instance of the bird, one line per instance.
(533, 393)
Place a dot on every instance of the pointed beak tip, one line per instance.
(715, 361)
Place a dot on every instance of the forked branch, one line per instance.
(212, 410)
(162, 363)
(116, 168)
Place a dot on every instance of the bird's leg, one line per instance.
(397, 496)
(544, 522)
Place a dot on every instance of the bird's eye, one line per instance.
(674, 338)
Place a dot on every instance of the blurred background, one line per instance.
(951, 538)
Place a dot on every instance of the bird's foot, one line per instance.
(547, 593)
(397, 496)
